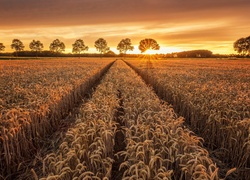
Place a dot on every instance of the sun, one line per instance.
(151, 52)
(162, 50)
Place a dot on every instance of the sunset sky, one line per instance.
(177, 25)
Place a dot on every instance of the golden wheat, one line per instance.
(157, 144)
(33, 100)
(214, 97)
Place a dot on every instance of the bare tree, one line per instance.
(17, 45)
(101, 45)
(147, 44)
(125, 45)
(57, 46)
(36, 46)
(79, 47)
(2, 47)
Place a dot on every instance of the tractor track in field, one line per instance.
(52, 141)
(223, 167)
(68, 120)
(120, 144)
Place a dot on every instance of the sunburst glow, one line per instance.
(151, 52)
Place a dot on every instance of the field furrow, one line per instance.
(156, 144)
(35, 102)
(91, 140)
(214, 98)
(121, 130)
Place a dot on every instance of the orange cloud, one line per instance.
(175, 24)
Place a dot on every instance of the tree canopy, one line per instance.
(36, 46)
(148, 44)
(242, 45)
(101, 45)
(79, 46)
(17, 45)
(125, 45)
(57, 46)
(2, 47)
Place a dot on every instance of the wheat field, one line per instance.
(213, 96)
(124, 119)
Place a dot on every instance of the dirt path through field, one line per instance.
(120, 141)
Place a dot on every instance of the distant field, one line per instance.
(21, 58)
(96, 118)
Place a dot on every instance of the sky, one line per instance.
(177, 25)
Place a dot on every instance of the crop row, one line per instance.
(33, 101)
(87, 150)
(156, 144)
(214, 98)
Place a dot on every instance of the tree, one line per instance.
(248, 44)
(79, 47)
(147, 44)
(57, 46)
(17, 45)
(2, 47)
(101, 45)
(125, 45)
(36, 46)
(242, 45)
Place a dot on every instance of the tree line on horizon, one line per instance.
(241, 46)
(78, 47)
